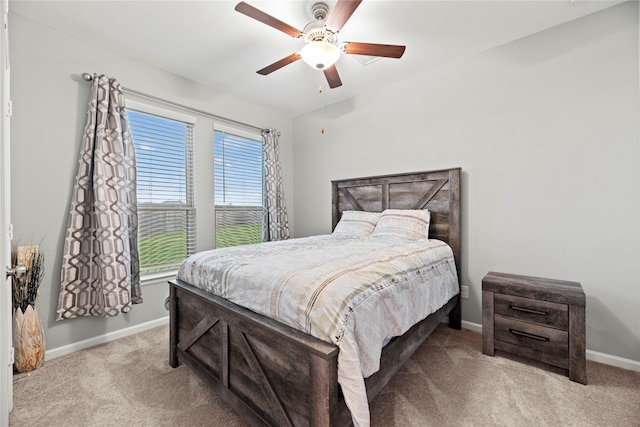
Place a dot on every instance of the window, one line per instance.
(238, 189)
(166, 212)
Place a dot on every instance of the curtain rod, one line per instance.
(88, 77)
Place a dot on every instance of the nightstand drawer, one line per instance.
(537, 342)
(535, 311)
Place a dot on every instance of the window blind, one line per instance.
(238, 189)
(166, 211)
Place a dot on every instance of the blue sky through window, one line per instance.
(161, 157)
(237, 170)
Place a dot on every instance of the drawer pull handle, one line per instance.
(528, 310)
(527, 335)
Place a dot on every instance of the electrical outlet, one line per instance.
(464, 291)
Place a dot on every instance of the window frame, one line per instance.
(190, 202)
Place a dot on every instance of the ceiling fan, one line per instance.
(321, 49)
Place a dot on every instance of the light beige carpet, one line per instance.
(447, 382)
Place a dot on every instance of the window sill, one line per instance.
(156, 278)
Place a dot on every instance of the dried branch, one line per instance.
(26, 288)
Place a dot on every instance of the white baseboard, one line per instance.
(475, 327)
(609, 359)
(595, 356)
(101, 339)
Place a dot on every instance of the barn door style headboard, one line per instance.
(438, 191)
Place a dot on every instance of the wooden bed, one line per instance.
(272, 374)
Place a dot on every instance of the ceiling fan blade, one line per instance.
(332, 76)
(341, 14)
(258, 15)
(374, 49)
(279, 64)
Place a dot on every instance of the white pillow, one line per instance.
(356, 223)
(403, 222)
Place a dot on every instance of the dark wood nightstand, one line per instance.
(541, 319)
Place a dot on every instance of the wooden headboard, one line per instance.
(438, 191)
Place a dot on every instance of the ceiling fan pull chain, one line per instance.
(322, 109)
(321, 106)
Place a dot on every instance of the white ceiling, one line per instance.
(210, 43)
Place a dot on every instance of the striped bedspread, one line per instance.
(355, 292)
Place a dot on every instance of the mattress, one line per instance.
(354, 292)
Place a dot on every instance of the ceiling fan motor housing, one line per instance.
(315, 30)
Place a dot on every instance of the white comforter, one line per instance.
(353, 292)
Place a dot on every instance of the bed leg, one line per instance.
(173, 327)
(322, 379)
(455, 316)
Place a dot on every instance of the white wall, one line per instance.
(49, 113)
(546, 130)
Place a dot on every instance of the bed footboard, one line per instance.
(267, 372)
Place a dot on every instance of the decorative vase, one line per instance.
(28, 340)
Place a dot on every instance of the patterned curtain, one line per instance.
(275, 224)
(100, 267)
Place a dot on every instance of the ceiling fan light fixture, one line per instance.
(320, 54)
